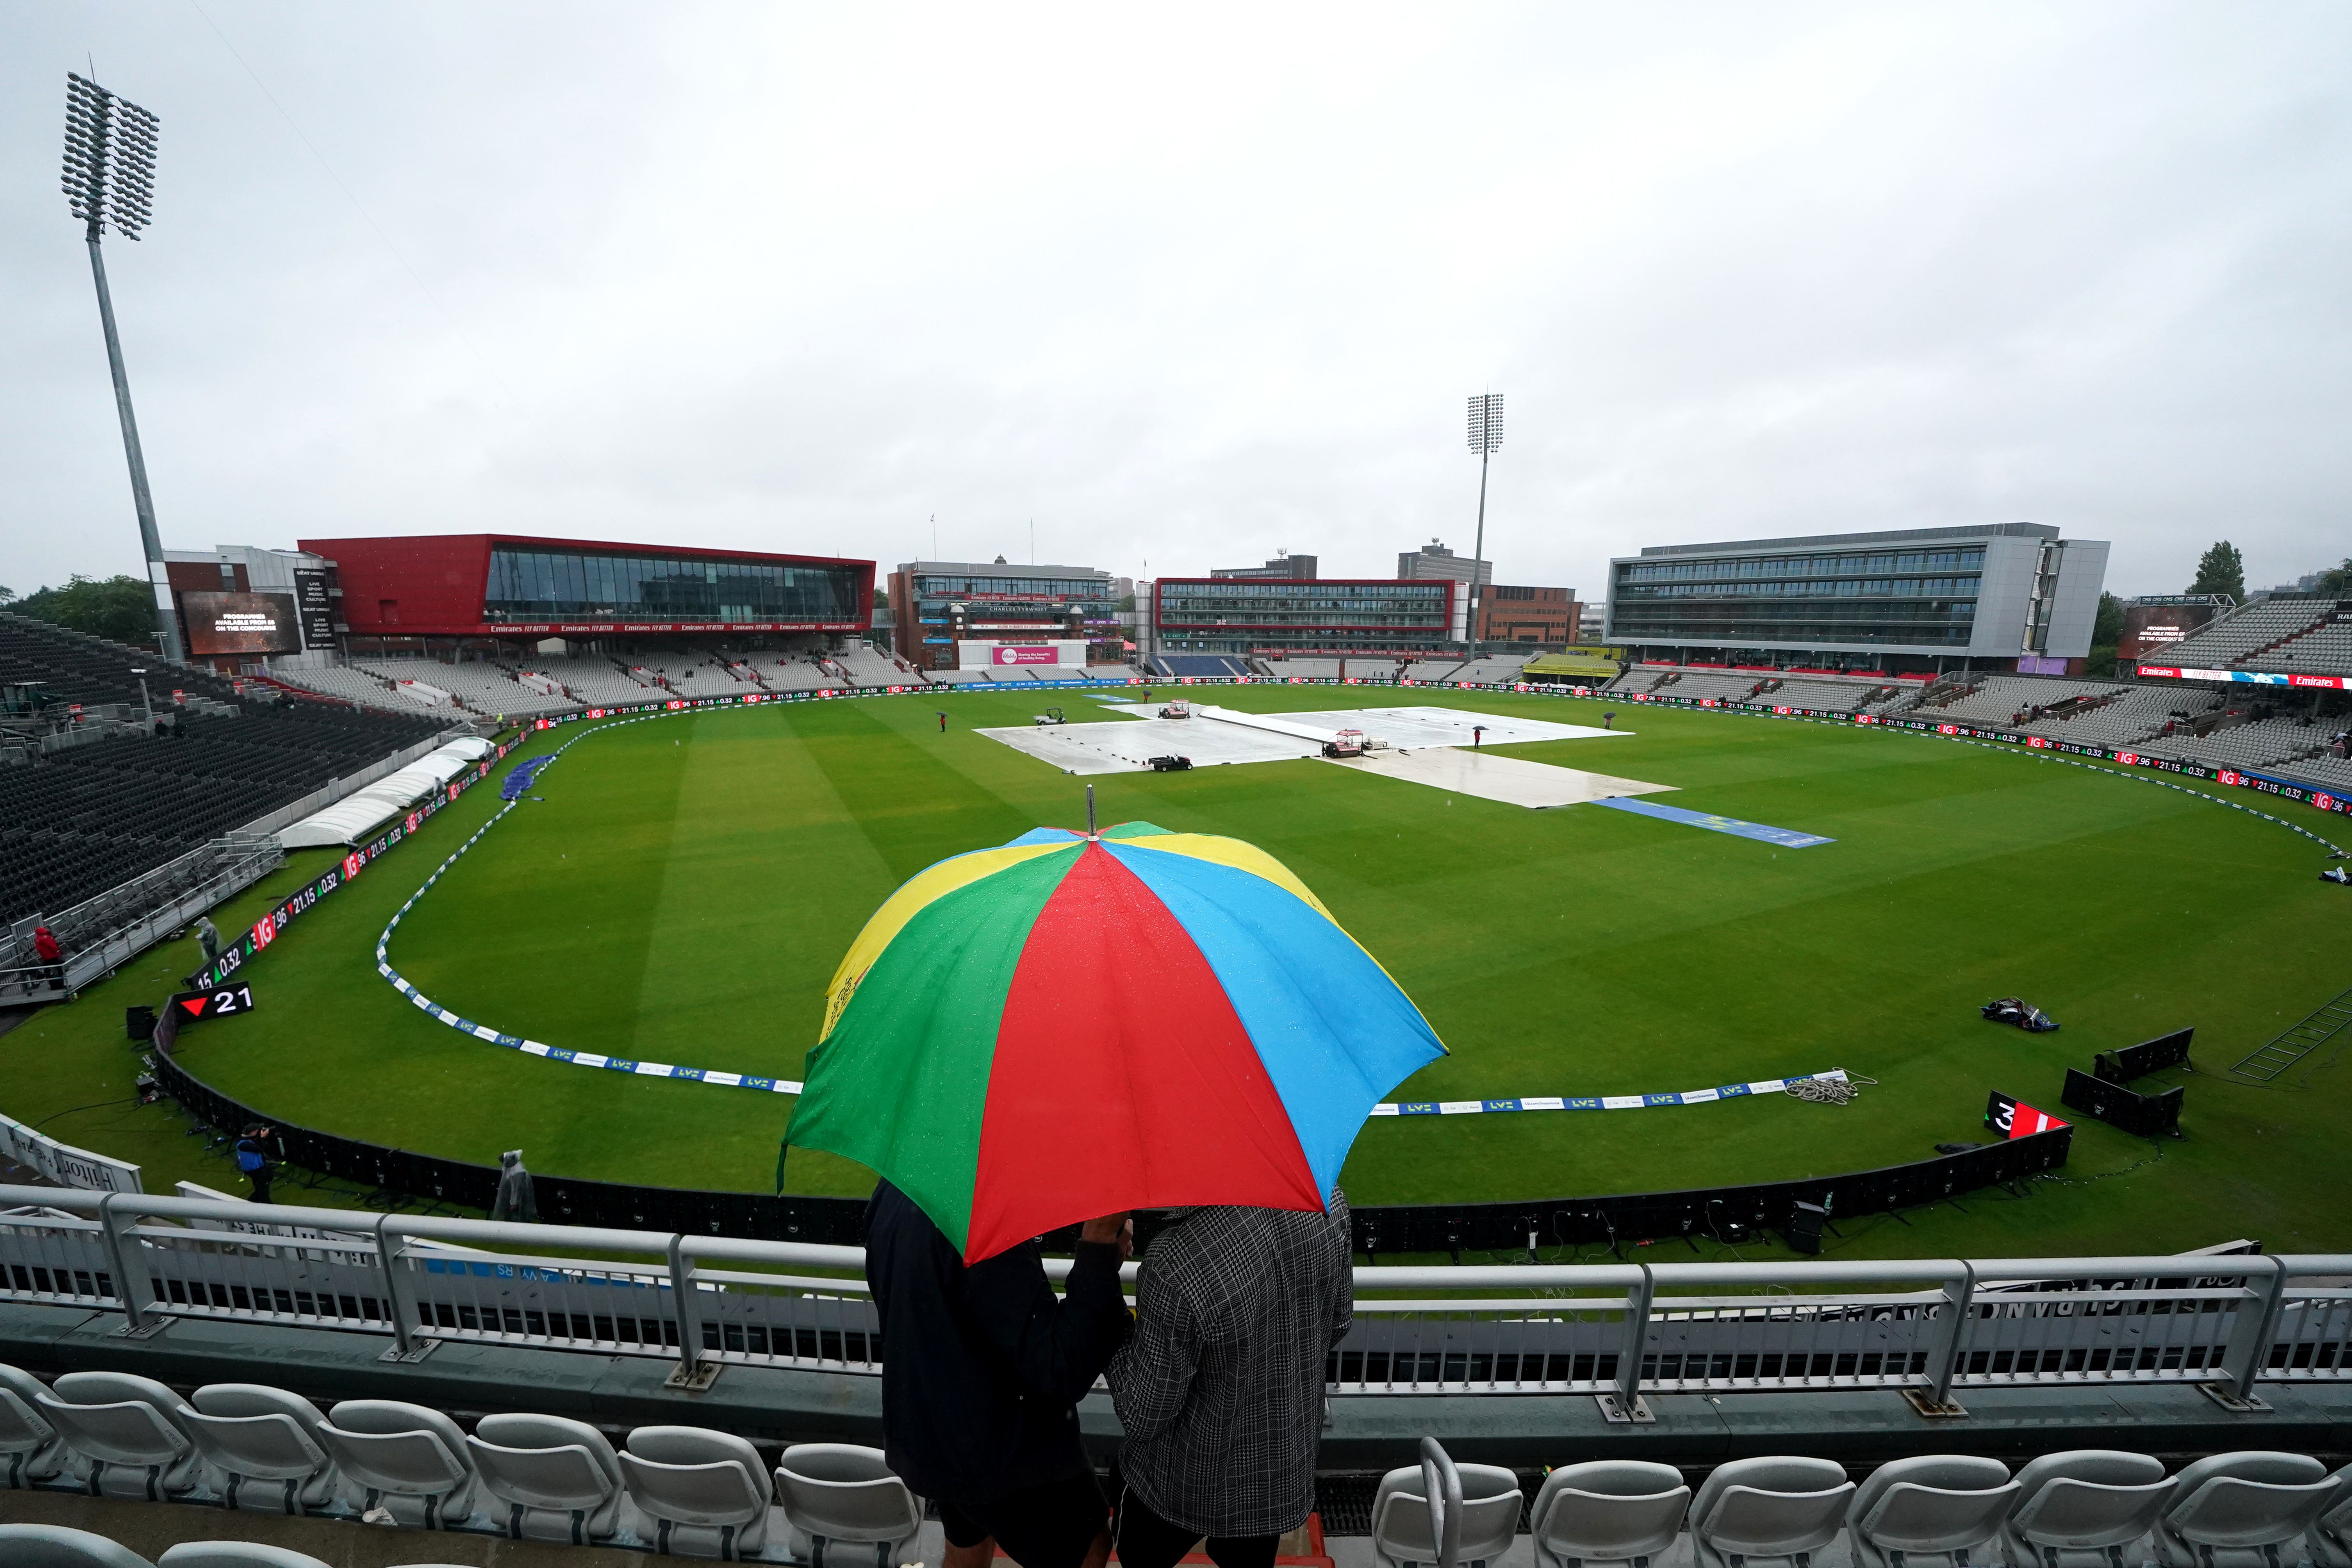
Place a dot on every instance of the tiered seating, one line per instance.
(88, 669)
(1197, 665)
(1309, 668)
(484, 688)
(2138, 713)
(1431, 671)
(2253, 745)
(2002, 697)
(89, 817)
(357, 686)
(687, 1491)
(956, 677)
(2246, 631)
(1724, 686)
(2323, 650)
(799, 673)
(1489, 672)
(594, 680)
(2327, 770)
(865, 667)
(686, 677)
(1825, 696)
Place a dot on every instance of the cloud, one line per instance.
(1184, 288)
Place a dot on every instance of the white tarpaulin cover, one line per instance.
(351, 818)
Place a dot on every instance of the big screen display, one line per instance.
(2150, 630)
(241, 623)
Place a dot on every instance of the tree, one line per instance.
(120, 608)
(7, 594)
(2105, 633)
(2221, 570)
(2335, 580)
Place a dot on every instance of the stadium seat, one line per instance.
(130, 1430)
(2083, 1508)
(411, 1459)
(55, 1546)
(559, 1479)
(1769, 1506)
(1490, 1517)
(2331, 1536)
(234, 1554)
(250, 1432)
(1932, 1505)
(836, 1494)
(707, 1493)
(1608, 1510)
(29, 1446)
(2242, 1510)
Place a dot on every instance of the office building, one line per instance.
(941, 606)
(2011, 596)
(1284, 567)
(1546, 617)
(1334, 615)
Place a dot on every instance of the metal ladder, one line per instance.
(2297, 1043)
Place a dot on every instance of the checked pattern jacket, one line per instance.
(1221, 1387)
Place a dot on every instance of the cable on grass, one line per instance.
(1831, 1090)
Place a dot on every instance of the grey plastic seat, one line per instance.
(707, 1492)
(1608, 1510)
(835, 1495)
(55, 1546)
(559, 1479)
(130, 1430)
(1932, 1505)
(411, 1459)
(1769, 1507)
(30, 1448)
(1490, 1517)
(2330, 1540)
(2085, 1507)
(234, 1554)
(2241, 1508)
(249, 1432)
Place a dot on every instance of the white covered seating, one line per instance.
(1769, 1507)
(2331, 1537)
(234, 1554)
(248, 1432)
(2247, 1509)
(1932, 1505)
(836, 1496)
(2083, 1508)
(558, 1478)
(1608, 1510)
(30, 1449)
(129, 1430)
(409, 1459)
(707, 1492)
(55, 1546)
(1402, 1537)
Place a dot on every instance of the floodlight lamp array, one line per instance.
(1487, 422)
(109, 159)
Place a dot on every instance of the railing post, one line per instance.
(392, 1255)
(132, 1287)
(1960, 1305)
(1637, 1340)
(2248, 1350)
(694, 1372)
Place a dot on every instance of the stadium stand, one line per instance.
(1306, 669)
(869, 666)
(83, 819)
(1431, 671)
(956, 677)
(487, 690)
(2257, 744)
(592, 680)
(2251, 630)
(705, 1493)
(355, 685)
(1197, 665)
(683, 675)
(1489, 672)
(2009, 700)
(2323, 650)
(78, 668)
(2135, 715)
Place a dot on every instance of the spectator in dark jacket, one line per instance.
(983, 1368)
(1221, 1389)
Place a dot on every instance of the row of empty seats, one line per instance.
(2085, 1509)
(2325, 649)
(355, 685)
(685, 1491)
(487, 688)
(2246, 631)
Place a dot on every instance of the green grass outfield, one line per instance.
(688, 884)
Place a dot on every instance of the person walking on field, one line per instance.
(1221, 1388)
(208, 938)
(943, 720)
(983, 1368)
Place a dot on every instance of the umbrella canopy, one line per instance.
(1065, 1026)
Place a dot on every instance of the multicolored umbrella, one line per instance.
(1066, 1027)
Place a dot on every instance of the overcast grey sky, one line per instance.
(1187, 284)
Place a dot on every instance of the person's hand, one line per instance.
(1112, 1230)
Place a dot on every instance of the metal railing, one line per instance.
(1931, 1327)
(106, 931)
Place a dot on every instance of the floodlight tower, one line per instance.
(109, 177)
(1485, 440)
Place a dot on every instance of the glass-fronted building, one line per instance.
(938, 605)
(1907, 599)
(476, 586)
(1337, 615)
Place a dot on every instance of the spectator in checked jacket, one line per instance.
(1220, 1389)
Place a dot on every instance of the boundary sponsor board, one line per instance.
(2249, 676)
(63, 1164)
